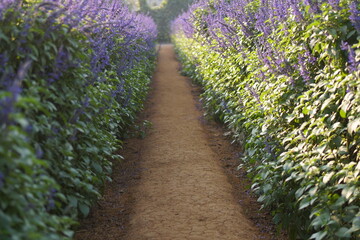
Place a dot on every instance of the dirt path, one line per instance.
(182, 191)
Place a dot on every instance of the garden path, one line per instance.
(184, 193)
(181, 189)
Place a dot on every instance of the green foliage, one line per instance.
(60, 137)
(301, 136)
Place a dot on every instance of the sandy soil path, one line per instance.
(184, 193)
(179, 188)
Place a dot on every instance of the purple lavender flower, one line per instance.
(6, 107)
(311, 59)
(355, 15)
(39, 152)
(302, 65)
(262, 76)
(314, 7)
(296, 11)
(225, 106)
(4, 4)
(344, 46)
(253, 93)
(116, 28)
(335, 4)
(262, 23)
(55, 130)
(50, 205)
(51, 199)
(352, 63)
(29, 128)
(2, 179)
(267, 147)
(7, 104)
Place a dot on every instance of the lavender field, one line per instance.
(282, 76)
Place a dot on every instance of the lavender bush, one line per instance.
(73, 74)
(284, 77)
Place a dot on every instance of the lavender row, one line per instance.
(73, 76)
(284, 77)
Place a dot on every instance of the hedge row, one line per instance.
(73, 74)
(284, 77)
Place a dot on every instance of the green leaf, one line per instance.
(305, 203)
(348, 191)
(336, 142)
(342, 113)
(97, 167)
(319, 235)
(84, 209)
(73, 201)
(326, 103)
(353, 125)
(343, 232)
(68, 233)
(299, 192)
(305, 111)
(4, 37)
(339, 203)
(327, 177)
(313, 191)
(355, 224)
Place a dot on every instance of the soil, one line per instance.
(180, 181)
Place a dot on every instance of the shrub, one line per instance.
(74, 76)
(284, 77)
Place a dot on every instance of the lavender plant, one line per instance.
(283, 76)
(73, 76)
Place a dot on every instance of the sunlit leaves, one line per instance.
(295, 107)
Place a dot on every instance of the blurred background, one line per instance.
(162, 11)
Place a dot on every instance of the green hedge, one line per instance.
(298, 121)
(69, 88)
